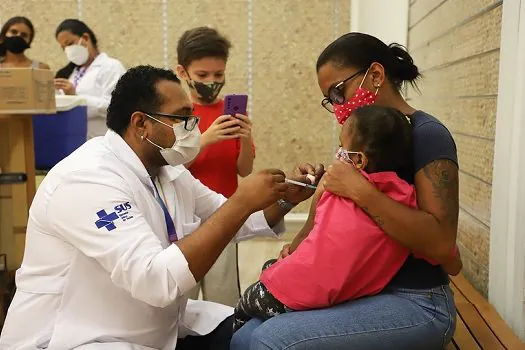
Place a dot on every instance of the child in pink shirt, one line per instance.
(346, 255)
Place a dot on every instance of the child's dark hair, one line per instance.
(384, 135)
(201, 42)
(9, 23)
(360, 50)
(79, 28)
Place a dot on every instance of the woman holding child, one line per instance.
(415, 310)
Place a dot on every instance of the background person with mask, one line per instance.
(90, 74)
(226, 143)
(120, 231)
(16, 37)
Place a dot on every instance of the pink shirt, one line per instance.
(345, 256)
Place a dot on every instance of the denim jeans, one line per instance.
(397, 318)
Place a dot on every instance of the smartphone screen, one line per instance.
(235, 104)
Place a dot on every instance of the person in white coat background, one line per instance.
(90, 74)
(120, 231)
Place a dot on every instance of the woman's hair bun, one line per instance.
(403, 64)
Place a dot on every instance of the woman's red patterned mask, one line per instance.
(362, 97)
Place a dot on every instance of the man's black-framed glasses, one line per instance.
(190, 121)
(336, 93)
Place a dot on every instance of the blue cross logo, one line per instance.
(106, 220)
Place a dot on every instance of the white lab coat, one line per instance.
(98, 269)
(96, 87)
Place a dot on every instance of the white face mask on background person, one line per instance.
(77, 53)
(186, 147)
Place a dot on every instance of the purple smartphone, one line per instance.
(235, 104)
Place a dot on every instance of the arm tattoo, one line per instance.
(443, 174)
(378, 219)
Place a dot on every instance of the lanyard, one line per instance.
(79, 73)
(172, 233)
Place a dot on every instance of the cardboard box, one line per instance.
(26, 91)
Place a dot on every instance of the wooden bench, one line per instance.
(479, 326)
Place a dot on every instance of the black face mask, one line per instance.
(208, 92)
(15, 44)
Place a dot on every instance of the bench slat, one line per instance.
(458, 296)
(478, 328)
(451, 346)
(502, 331)
(463, 338)
(474, 323)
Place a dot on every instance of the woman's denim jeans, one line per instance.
(397, 318)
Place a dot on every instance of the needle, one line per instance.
(300, 183)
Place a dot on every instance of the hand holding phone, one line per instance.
(245, 124)
(236, 106)
(223, 128)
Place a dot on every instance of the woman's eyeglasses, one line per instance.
(336, 93)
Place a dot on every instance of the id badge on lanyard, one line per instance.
(79, 74)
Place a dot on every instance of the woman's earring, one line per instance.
(142, 137)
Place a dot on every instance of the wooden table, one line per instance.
(16, 155)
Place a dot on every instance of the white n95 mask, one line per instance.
(186, 147)
(77, 53)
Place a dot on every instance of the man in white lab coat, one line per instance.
(115, 237)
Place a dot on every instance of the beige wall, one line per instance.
(454, 42)
(284, 36)
(45, 15)
(456, 45)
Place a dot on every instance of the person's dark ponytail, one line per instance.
(65, 72)
(404, 69)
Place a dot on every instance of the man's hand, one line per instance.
(259, 191)
(303, 173)
(308, 169)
